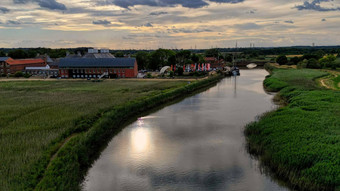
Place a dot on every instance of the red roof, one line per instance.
(25, 61)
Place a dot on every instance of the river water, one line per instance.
(196, 144)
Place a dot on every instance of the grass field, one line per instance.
(300, 142)
(33, 114)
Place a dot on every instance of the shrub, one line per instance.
(171, 74)
(313, 63)
(149, 75)
(180, 71)
(26, 75)
(18, 74)
(282, 60)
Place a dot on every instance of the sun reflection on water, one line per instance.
(141, 139)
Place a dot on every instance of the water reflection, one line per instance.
(196, 144)
(140, 139)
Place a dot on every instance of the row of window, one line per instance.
(8, 70)
(2, 66)
(82, 71)
(43, 72)
(89, 76)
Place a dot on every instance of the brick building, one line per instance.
(96, 67)
(215, 63)
(11, 66)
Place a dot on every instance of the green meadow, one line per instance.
(37, 116)
(300, 141)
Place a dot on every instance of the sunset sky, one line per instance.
(150, 24)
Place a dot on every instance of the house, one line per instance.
(215, 63)
(11, 66)
(46, 71)
(97, 67)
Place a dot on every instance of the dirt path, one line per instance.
(328, 82)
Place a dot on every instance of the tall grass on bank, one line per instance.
(301, 141)
(67, 170)
(37, 116)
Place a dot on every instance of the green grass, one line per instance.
(35, 116)
(301, 141)
(336, 82)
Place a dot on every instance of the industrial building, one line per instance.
(98, 67)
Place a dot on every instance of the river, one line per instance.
(196, 144)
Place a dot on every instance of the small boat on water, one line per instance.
(235, 71)
(251, 66)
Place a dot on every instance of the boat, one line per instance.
(235, 71)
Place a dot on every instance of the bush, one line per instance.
(149, 75)
(180, 71)
(171, 74)
(26, 75)
(18, 74)
(3, 75)
(282, 60)
(313, 63)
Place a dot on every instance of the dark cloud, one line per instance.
(164, 3)
(11, 22)
(4, 10)
(147, 25)
(48, 4)
(290, 22)
(159, 13)
(102, 22)
(175, 30)
(247, 26)
(315, 5)
(227, 1)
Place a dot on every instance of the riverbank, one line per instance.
(52, 131)
(300, 141)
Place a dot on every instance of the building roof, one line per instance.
(98, 55)
(25, 61)
(47, 67)
(96, 62)
(2, 59)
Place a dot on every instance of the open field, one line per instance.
(34, 114)
(300, 142)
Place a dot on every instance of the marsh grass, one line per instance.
(301, 141)
(36, 116)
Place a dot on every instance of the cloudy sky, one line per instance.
(140, 24)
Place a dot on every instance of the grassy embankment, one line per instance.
(51, 131)
(300, 142)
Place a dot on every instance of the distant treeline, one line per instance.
(294, 50)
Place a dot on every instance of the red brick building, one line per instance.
(96, 67)
(215, 63)
(11, 66)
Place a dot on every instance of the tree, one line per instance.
(195, 58)
(313, 63)
(282, 60)
(142, 59)
(2, 53)
(295, 60)
(31, 53)
(214, 52)
(160, 58)
(17, 54)
(183, 57)
(327, 61)
(119, 54)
